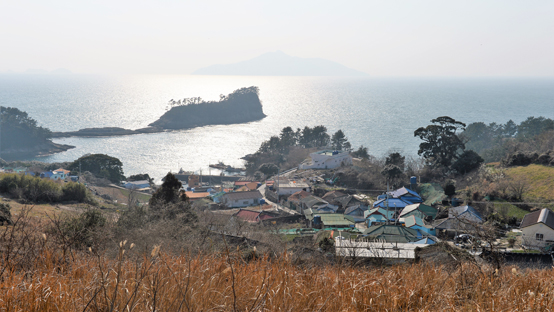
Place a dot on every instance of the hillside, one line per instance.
(20, 135)
(539, 180)
(280, 64)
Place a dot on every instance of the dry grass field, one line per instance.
(540, 180)
(41, 273)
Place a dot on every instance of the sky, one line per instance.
(398, 38)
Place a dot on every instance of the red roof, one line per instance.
(299, 195)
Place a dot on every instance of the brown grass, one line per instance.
(39, 274)
(540, 179)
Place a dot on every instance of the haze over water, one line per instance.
(380, 113)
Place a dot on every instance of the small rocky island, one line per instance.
(240, 106)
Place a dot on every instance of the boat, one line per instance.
(220, 165)
(233, 169)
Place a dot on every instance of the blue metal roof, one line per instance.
(392, 203)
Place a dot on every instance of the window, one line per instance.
(539, 236)
(245, 202)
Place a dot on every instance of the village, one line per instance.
(320, 199)
(390, 224)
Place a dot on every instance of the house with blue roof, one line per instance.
(46, 174)
(406, 195)
(391, 203)
(378, 216)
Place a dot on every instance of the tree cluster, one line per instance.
(443, 148)
(18, 130)
(496, 141)
(101, 165)
(278, 147)
(37, 190)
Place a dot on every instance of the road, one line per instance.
(276, 205)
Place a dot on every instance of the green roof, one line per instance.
(335, 219)
(424, 209)
(392, 233)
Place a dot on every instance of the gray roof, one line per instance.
(311, 201)
(545, 216)
(352, 208)
(243, 195)
(456, 211)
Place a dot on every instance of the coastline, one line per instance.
(45, 149)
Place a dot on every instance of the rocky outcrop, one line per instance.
(243, 105)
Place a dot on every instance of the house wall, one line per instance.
(291, 190)
(530, 232)
(240, 202)
(327, 161)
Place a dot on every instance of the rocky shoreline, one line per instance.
(105, 132)
(45, 149)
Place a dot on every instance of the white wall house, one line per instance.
(327, 159)
(241, 199)
(538, 229)
(284, 186)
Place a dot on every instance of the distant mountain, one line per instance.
(280, 64)
(43, 71)
(61, 71)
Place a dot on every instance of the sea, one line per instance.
(378, 113)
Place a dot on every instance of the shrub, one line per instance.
(74, 192)
(5, 214)
(83, 230)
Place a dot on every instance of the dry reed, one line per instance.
(50, 279)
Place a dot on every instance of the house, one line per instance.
(250, 186)
(46, 174)
(538, 229)
(284, 186)
(340, 200)
(406, 195)
(460, 219)
(253, 216)
(356, 212)
(466, 213)
(59, 174)
(392, 234)
(316, 204)
(135, 185)
(417, 223)
(241, 199)
(294, 200)
(327, 159)
(378, 216)
(394, 204)
(333, 220)
(193, 196)
(419, 210)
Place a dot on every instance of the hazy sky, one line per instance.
(382, 38)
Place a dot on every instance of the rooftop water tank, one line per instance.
(413, 180)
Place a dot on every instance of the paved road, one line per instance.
(276, 205)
